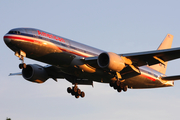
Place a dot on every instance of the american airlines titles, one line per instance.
(50, 36)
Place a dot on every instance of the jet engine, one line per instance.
(110, 61)
(35, 73)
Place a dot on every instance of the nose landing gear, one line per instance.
(75, 91)
(21, 54)
(22, 65)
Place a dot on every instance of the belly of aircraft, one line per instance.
(139, 82)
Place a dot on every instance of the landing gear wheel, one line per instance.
(119, 89)
(78, 91)
(115, 87)
(121, 86)
(111, 84)
(75, 91)
(125, 88)
(76, 96)
(22, 65)
(75, 88)
(69, 90)
(82, 94)
(118, 83)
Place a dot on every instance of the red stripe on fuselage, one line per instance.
(146, 76)
(39, 42)
(24, 39)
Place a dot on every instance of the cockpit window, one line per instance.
(14, 32)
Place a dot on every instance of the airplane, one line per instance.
(82, 65)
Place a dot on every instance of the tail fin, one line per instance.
(166, 44)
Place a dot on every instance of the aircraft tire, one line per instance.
(75, 89)
(118, 83)
(125, 88)
(115, 87)
(78, 91)
(119, 89)
(111, 84)
(22, 65)
(122, 86)
(69, 90)
(73, 93)
(76, 96)
(82, 94)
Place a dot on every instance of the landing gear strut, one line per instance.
(75, 91)
(21, 54)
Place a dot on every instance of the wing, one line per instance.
(13, 74)
(153, 57)
(140, 59)
(171, 78)
(145, 58)
(54, 73)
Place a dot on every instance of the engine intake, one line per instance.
(35, 73)
(110, 61)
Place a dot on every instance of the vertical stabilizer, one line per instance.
(166, 44)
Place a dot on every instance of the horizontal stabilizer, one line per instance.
(177, 77)
(12, 74)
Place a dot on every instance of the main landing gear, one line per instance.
(21, 54)
(118, 85)
(75, 91)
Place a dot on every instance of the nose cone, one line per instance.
(7, 40)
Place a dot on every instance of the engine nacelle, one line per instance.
(35, 73)
(111, 61)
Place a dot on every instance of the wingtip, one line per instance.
(12, 74)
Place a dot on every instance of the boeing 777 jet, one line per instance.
(82, 65)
